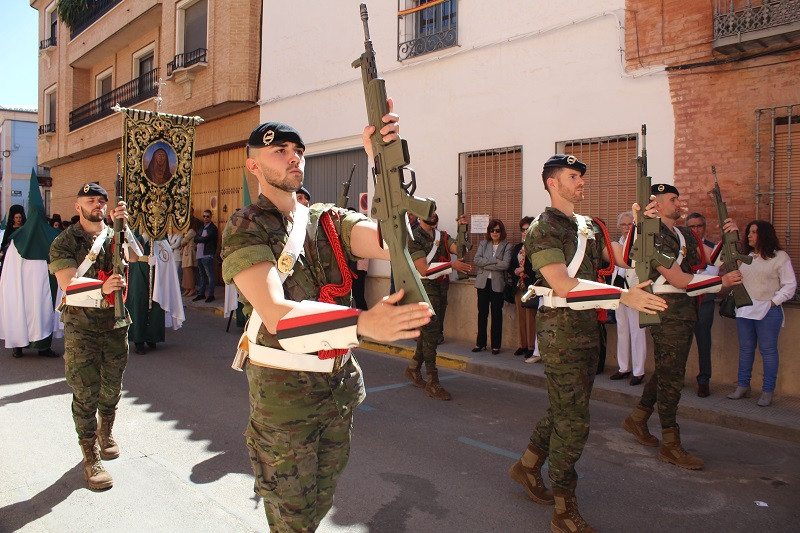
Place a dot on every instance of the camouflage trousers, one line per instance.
(428, 339)
(672, 340)
(94, 362)
(298, 439)
(568, 343)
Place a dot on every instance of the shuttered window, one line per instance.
(492, 185)
(325, 174)
(778, 175)
(610, 177)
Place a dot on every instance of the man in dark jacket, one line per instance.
(206, 240)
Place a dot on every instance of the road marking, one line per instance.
(407, 384)
(488, 447)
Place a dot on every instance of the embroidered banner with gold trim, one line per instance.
(157, 160)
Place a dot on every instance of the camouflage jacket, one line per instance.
(259, 232)
(69, 249)
(553, 238)
(667, 242)
(421, 246)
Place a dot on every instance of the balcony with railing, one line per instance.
(136, 90)
(745, 25)
(94, 10)
(47, 43)
(47, 129)
(187, 60)
(425, 26)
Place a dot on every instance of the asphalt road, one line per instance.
(417, 465)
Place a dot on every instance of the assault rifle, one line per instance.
(393, 196)
(730, 255)
(343, 195)
(644, 251)
(118, 258)
(462, 241)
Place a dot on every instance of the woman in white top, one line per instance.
(492, 259)
(770, 281)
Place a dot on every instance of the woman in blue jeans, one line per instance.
(770, 281)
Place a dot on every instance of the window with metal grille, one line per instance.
(610, 179)
(424, 26)
(777, 130)
(492, 182)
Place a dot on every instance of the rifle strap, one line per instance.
(294, 244)
(580, 252)
(437, 236)
(94, 251)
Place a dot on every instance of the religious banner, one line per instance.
(157, 160)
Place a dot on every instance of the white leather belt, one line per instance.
(297, 362)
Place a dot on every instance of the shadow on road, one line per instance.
(415, 493)
(18, 515)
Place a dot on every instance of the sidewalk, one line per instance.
(781, 420)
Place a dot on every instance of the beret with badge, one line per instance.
(303, 190)
(270, 133)
(565, 161)
(663, 188)
(92, 189)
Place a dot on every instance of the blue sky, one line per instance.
(19, 49)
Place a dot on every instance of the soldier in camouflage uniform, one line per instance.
(672, 339)
(436, 286)
(298, 435)
(95, 351)
(568, 339)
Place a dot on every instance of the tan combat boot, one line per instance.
(93, 472)
(413, 373)
(636, 424)
(566, 518)
(434, 389)
(109, 449)
(672, 452)
(528, 473)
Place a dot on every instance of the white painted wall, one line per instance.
(525, 73)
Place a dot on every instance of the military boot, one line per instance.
(413, 373)
(566, 518)
(93, 472)
(672, 452)
(434, 389)
(636, 425)
(527, 471)
(109, 449)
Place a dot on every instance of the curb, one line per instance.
(708, 415)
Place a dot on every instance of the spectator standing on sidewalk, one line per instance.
(206, 240)
(705, 311)
(523, 275)
(492, 259)
(189, 260)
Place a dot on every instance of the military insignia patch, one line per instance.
(571, 159)
(286, 262)
(268, 137)
(661, 188)
(86, 188)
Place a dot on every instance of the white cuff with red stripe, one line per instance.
(313, 326)
(437, 270)
(593, 295)
(85, 292)
(703, 284)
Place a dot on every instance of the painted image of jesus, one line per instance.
(159, 163)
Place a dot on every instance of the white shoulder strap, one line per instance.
(294, 245)
(436, 236)
(580, 252)
(661, 284)
(682, 251)
(91, 257)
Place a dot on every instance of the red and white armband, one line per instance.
(437, 270)
(703, 284)
(585, 295)
(313, 326)
(593, 295)
(86, 292)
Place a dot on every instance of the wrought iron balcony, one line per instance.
(94, 10)
(187, 59)
(47, 129)
(422, 30)
(47, 43)
(136, 90)
(742, 25)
